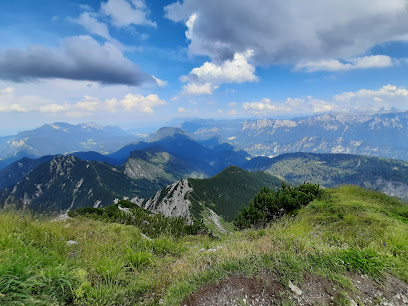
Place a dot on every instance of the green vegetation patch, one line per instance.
(226, 192)
(268, 204)
(153, 225)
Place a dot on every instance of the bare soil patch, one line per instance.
(265, 289)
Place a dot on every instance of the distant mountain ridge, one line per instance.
(204, 159)
(382, 134)
(63, 138)
(331, 170)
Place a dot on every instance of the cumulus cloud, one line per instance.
(144, 104)
(199, 89)
(124, 13)
(88, 103)
(388, 97)
(366, 62)
(265, 106)
(52, 108)
(237, 70)
(290, 31)
(292, 107)
(390, 91)
(204, 79)
(15, 101)
(111, 105)
(79, 58)
(11, 102)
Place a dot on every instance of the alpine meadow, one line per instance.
(192, 153)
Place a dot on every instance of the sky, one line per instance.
(143, 63)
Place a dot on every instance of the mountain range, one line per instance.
(382, 134)
(177, 175)
(64, 182)
(63, 138)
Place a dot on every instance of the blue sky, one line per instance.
(140, 63)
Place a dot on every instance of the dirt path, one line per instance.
(315, 290)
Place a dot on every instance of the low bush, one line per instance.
(153, 225)
(269, 204)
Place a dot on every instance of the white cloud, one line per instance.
(18, 108)
(232, 104)
(111, 105)
(204, 79)
(388, 97)
(15, 100)
(92, 25)
(12, 102)
(159, 82)
(90, 22)
(52, 108)
(366, 62)
(199, 89)
(124, 13)
(144, 104)
(237, 70)
(292, 107)
(190, 26)
(265, 106)
(88, 106)
(385, 92)
(291, 32)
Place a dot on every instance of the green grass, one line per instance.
(351, 229)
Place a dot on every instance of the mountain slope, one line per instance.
(66, 182)
(219, 196)
(155, 164)
(204, 160)
(386, 175)
(61, 183)
(384, 135)
(16, 171)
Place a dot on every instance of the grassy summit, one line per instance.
(352, 231)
